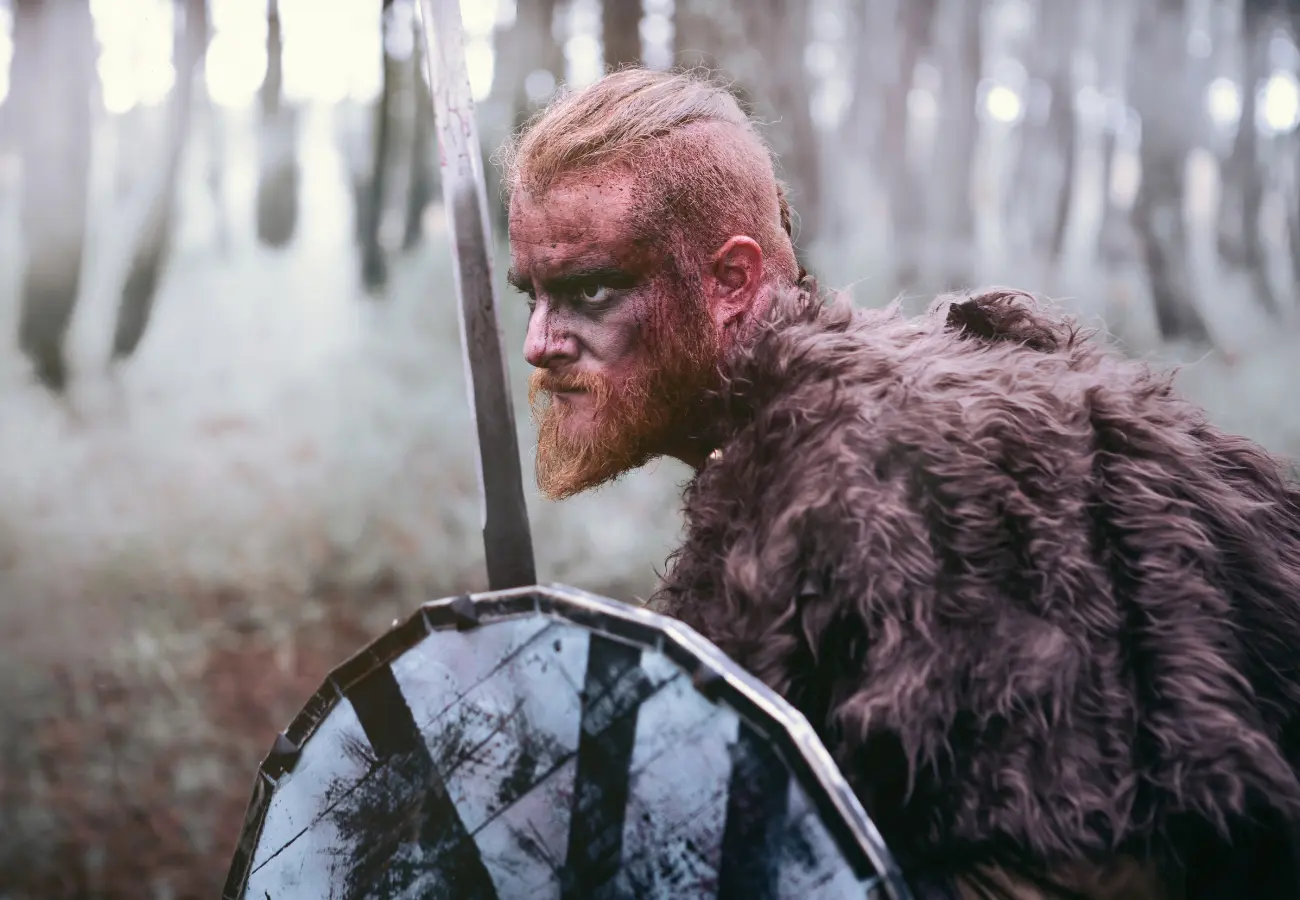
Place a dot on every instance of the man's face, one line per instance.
(620, 336)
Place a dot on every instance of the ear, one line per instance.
(732, 277)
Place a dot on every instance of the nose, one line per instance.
(548, 343)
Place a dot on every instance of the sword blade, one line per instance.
(507, 539)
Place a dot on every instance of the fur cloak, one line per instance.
(1046, 616)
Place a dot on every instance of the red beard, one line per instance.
(632, 419)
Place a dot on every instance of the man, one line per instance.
(1044, 615)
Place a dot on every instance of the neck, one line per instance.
(700, 439)
(694, 453)
(696, 434)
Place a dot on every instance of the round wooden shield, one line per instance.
(548, 743)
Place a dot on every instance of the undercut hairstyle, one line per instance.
(703, 171)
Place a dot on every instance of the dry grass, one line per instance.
(132, 774)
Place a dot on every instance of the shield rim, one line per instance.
(715, 675)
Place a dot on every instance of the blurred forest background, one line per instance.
(234, 441)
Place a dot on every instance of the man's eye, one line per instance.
(594, 293)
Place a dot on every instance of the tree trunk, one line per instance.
(53, 76)
(277, 186)
(876, 72)
(527, 48)
(1042, 193)
(1242, 186)
(1240, 239)
(695, 37)
(621, 33)
(374, 266)
(189, 36)
(847, 157)
(1062, 21)
(1111, 246)
(961, 62)
(1158, 218)
(1293, 211)
(907, 212)
(1291, 18)
(1167, 103)
(423, 182)
(215, 155)
(272, 91)
(1065, 132)
(1112, 46)
(781, 37)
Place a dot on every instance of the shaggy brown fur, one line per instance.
(1043, 613)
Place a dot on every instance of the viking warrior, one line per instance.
(1045, 615)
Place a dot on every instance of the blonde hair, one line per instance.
(703, 170)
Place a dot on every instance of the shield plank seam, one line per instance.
(632, 661)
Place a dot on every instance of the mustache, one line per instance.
(545, 381)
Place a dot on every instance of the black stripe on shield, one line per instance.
(407, 829)
(614, 688)
(756, 817)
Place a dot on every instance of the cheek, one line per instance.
(619, 339)
(656, 319)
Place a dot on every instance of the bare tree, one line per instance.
(914, 31)
(153, 244)
(527, 48)
(1240, 176)
(780, 33)
(374, 266)
(214, 174)
(1291, 18)
(1113, 39)
(529, 59)
(872, 63)
(874, 71)
(621, 33)
(423, 183)
(1166, 100)
(961, 62)
(1240, 238)
(277, 185)
(53, 77)
(1043, 191)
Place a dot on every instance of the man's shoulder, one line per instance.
(966, 351)
(997, 376)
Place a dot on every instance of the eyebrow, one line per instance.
(613, 276)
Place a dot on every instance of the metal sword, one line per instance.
(507, 539)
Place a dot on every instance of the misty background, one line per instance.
(234, 434)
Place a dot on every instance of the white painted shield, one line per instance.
(547, 743)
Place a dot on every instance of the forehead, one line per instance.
(585, 218)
